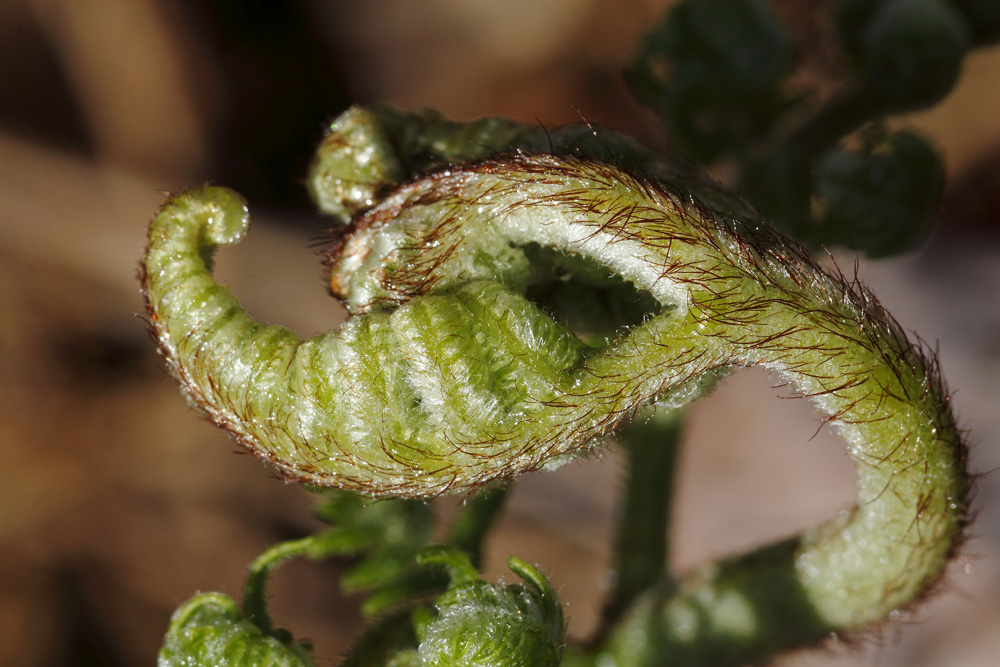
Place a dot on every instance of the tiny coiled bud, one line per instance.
(714, 70)
(208, 629)
(491, 625)
(912, 50)
(881, 198)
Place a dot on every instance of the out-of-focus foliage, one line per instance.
(720, 75)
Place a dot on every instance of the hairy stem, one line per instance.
(255, 588)
(732, 295)
(318, 546)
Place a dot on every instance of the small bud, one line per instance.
(881, 199)
(486, 624)
(912, 50)
(715, 69)
(208, 629)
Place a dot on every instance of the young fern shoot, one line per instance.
(448, 375)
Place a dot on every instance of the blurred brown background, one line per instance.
(118, 502)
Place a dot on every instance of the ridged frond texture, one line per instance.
(486, 625)
(448, 375)
(208, 629)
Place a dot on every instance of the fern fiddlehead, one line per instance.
(448, 375)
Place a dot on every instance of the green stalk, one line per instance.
(650, 445)
(469, 530)
(255, 588)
